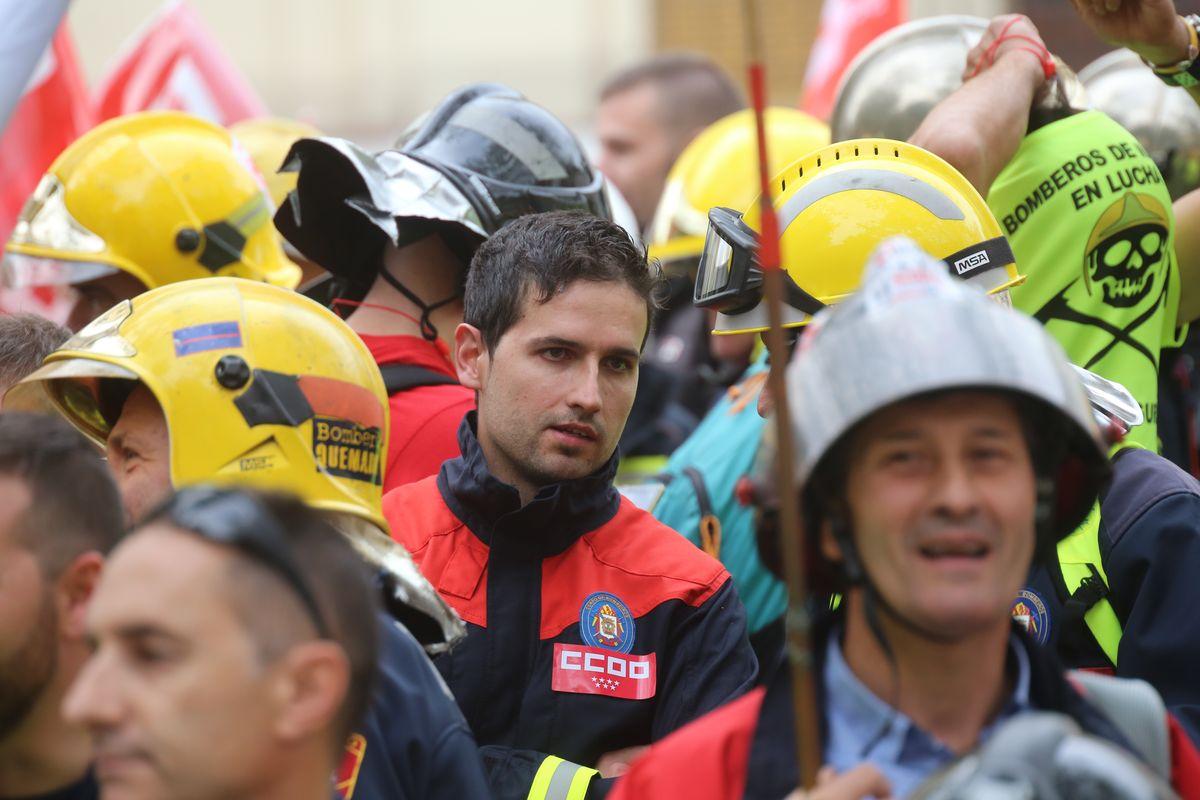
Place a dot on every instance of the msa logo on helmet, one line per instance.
(580, 669)
(971, 262)
(347, 449)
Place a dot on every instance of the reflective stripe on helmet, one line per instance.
(513, 137)
(927, 196)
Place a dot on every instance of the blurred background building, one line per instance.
(364, 68)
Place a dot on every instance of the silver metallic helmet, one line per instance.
(1165, 119)
(912, 330)
(894, 82)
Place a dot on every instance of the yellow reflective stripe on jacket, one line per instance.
(557, 779)
(1077, 554)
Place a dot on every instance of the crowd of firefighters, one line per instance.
(449, 471)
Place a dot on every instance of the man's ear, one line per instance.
(830, 548)
(74, 589)
(310, 688)
(470, 356)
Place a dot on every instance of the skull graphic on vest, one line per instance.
(1122, 285)
(1126, 251)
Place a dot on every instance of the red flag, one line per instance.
(846, 27)
(53, 112)
(175, 63)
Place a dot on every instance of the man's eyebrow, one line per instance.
(900, 434)
(625, 352)
(555, 341)
(144, 630)
(905, 434)
(995, 432)
(559, 341)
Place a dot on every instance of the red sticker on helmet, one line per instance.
(330, 397)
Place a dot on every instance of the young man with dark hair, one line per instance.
(649, 112)
(59, 515)
(592, 629)
(25, 339)
(397, 229)
(234, 651)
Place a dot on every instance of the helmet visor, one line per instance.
(47, 223)
(729, 278)
(81, 390)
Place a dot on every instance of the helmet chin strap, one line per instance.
(428, 331)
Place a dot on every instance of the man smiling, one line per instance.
(935, 463)
(592, 629)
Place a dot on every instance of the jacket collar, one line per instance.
(772, 767)
(550, 523)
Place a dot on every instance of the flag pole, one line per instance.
(798, 622)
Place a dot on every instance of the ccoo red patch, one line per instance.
(593, 670)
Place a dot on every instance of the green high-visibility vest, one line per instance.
(1090, 222)
(1079, 561)
(1081, 564)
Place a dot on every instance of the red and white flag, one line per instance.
(52, 113)
(176, 63)
(847, 26)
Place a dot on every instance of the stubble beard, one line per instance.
(25, 676)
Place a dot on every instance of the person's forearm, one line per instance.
(1169, 48)
(979, 127)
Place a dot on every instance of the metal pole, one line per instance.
(799, 649)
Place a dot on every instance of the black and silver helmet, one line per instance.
(483, 157)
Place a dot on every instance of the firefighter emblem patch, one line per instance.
(1029, 610)
(604, 621)
(347, 773)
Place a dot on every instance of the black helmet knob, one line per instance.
(232, 372)
(187, 240)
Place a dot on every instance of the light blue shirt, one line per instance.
(863, 728)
